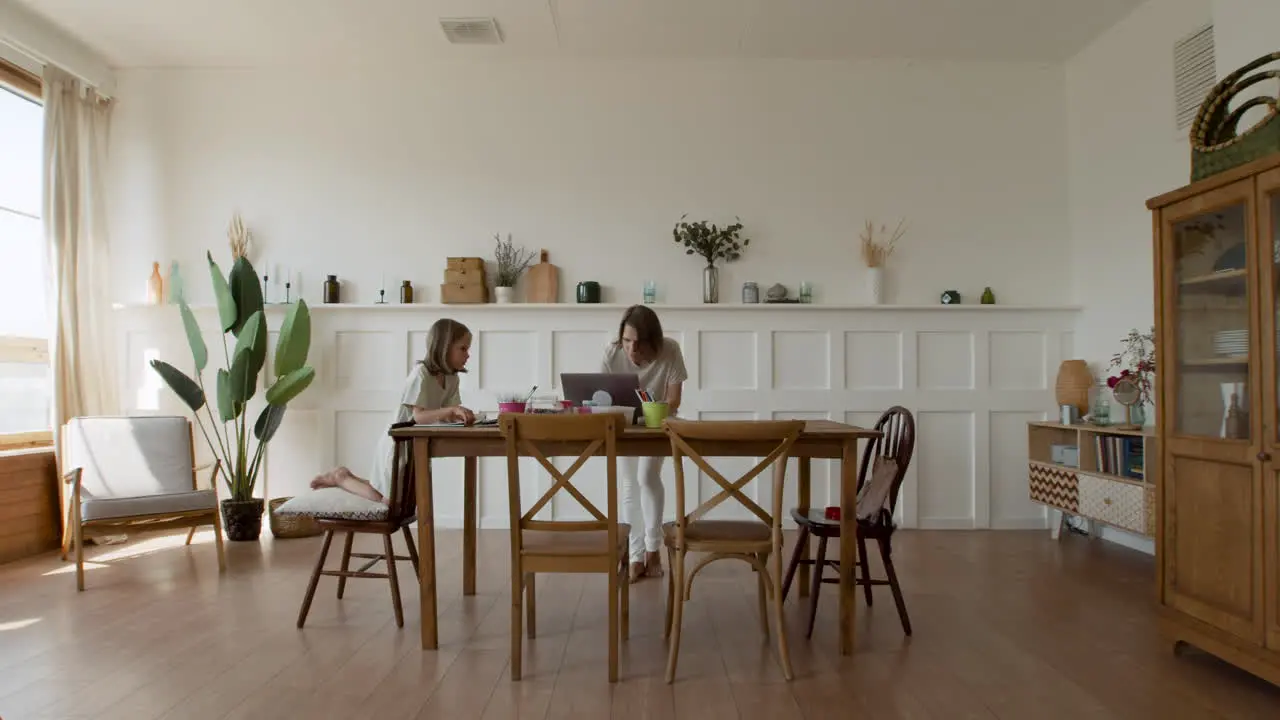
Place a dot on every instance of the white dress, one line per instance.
(420, 390)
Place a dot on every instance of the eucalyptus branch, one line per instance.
(710, 241)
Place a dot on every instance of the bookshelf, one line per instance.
(1094, 472)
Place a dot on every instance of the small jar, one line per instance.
(331, 289)
(750, 293)
(406, 292)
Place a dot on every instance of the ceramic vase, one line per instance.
(503, 295)
(875, 285)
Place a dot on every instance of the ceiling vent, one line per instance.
(471, 31)
(1194, 74)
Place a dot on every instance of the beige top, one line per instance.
(666, 369)
(420, 390)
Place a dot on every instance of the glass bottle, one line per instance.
(331, 288)
(406, 292)
(750, 293)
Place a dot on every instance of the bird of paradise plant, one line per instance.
(240, 313)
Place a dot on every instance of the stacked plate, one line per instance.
(1230, 343)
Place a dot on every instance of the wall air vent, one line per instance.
(471, 31)
(1194, 74)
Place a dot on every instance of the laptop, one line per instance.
(580, 387)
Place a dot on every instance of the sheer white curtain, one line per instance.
(81, 343)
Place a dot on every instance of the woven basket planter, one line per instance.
(1216, 145)
(290, 526)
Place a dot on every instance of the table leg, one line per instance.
(469, 527)
(848, 543)
(426, 542)
(803, 501)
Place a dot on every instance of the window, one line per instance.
(26, 383)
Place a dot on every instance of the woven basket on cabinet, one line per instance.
(1215, 144)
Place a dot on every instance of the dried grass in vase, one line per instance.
(239, 237)
(876, 251)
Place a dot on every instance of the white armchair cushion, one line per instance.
(332, 502)
(129, 457)
(95, 508)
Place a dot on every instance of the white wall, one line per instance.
(361, 172)
(1244, 30)
(1123, 147)
(32, 38)
(972, 377)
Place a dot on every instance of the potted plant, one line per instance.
(712, 243)
(512, 261)
(875, 253)
(1137, 364)
(240, 313)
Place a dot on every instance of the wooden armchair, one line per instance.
(401, 512)
(583, 546)
(752, 541)
(136, 474)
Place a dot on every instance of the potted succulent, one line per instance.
(712, 243)
(240, 313)
(512, 262)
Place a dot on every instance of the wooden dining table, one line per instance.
(821, 439)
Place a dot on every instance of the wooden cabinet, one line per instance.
(1095, 472)
(1217, 256)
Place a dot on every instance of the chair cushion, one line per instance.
(721, 530)
(97, 508)
(334, 502)
(127, 457)
(582, 542)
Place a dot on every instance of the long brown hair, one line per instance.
(647, 326)
(443, 334)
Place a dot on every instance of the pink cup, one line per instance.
(511, 407)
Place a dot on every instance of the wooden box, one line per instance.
(469, 276)
(465, 263)
(455, 294)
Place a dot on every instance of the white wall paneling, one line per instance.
(972, 376)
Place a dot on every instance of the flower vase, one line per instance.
(875, 285)
(710, 284)
(1138, 414)
(503, 295)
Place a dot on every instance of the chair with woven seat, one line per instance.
(598, 545)
(134, 474)
(887, 460)
(752, 541)
(387, 520)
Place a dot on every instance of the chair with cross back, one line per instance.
(757, 541)
(597, 545)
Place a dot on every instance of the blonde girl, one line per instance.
(430, 395)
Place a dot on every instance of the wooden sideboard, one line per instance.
(29, 522)
(1095, 472)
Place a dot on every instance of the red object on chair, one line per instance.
(832, 513)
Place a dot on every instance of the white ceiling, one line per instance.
(219, 33)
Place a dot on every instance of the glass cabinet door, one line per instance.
(1211, 259)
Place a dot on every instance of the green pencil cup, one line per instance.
(654, 413)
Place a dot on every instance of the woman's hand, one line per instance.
(461, 415)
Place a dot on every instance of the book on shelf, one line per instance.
(1119, 455)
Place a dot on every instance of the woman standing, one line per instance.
(643, 350)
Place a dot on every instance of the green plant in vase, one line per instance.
(712, 243)
(228, 431)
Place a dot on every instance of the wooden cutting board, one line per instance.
(544, 282)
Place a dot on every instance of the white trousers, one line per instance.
(642, 474)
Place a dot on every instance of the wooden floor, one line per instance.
(1008, 625)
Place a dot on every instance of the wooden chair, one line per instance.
(134, 474)
(401, 513)
(887, 459)
(748, 540)
(598, 545)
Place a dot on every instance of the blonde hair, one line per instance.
(443, 334)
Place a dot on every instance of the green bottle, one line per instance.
(988, 297)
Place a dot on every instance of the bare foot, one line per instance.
(637, 571)
(653, 564)
(343, 471)
(324, 480)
